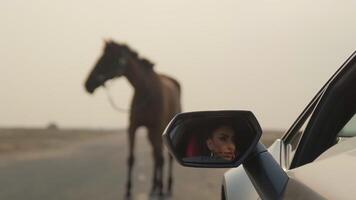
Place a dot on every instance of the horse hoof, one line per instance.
(169, 194)
(128, 196)
(152, 193)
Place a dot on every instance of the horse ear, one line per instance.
(111, 41)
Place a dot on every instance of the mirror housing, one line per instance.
(197, 139)
(265, 173)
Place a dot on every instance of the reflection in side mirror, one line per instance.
(212, 138)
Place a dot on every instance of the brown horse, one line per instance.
(156, 100)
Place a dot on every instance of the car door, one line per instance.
(330, 175)
(329, 112)
(314, 131)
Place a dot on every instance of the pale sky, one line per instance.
(269, 57)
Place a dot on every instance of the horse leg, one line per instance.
(157, 179)
(170, 175)
(131, 159)
(154, 176)
(160, 173)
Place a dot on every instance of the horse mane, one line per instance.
(143, 61)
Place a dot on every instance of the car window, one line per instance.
(345, 140)
(294, 135)
(349, 129)
(292, 143)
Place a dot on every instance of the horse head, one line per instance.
(112, 64)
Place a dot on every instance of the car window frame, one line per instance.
(312, 144)
(296, 132)
(305, 119)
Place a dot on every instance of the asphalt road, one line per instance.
(96, 169)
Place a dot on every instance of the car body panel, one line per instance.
(321, 180)
(238, 176)
(317, 180)
(298, 191)
(318, 167)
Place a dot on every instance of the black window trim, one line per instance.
(304, 153)
(310, 107)
(313, 105)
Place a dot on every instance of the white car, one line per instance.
(315, 159)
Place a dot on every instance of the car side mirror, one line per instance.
(212, 139)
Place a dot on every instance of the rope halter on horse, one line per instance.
(112, 103)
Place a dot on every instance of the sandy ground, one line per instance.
(90, 164)
(17, 140)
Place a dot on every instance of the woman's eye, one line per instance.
(223, 138)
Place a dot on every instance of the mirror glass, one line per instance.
(212, 137)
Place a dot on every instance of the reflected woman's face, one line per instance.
(222, 143)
